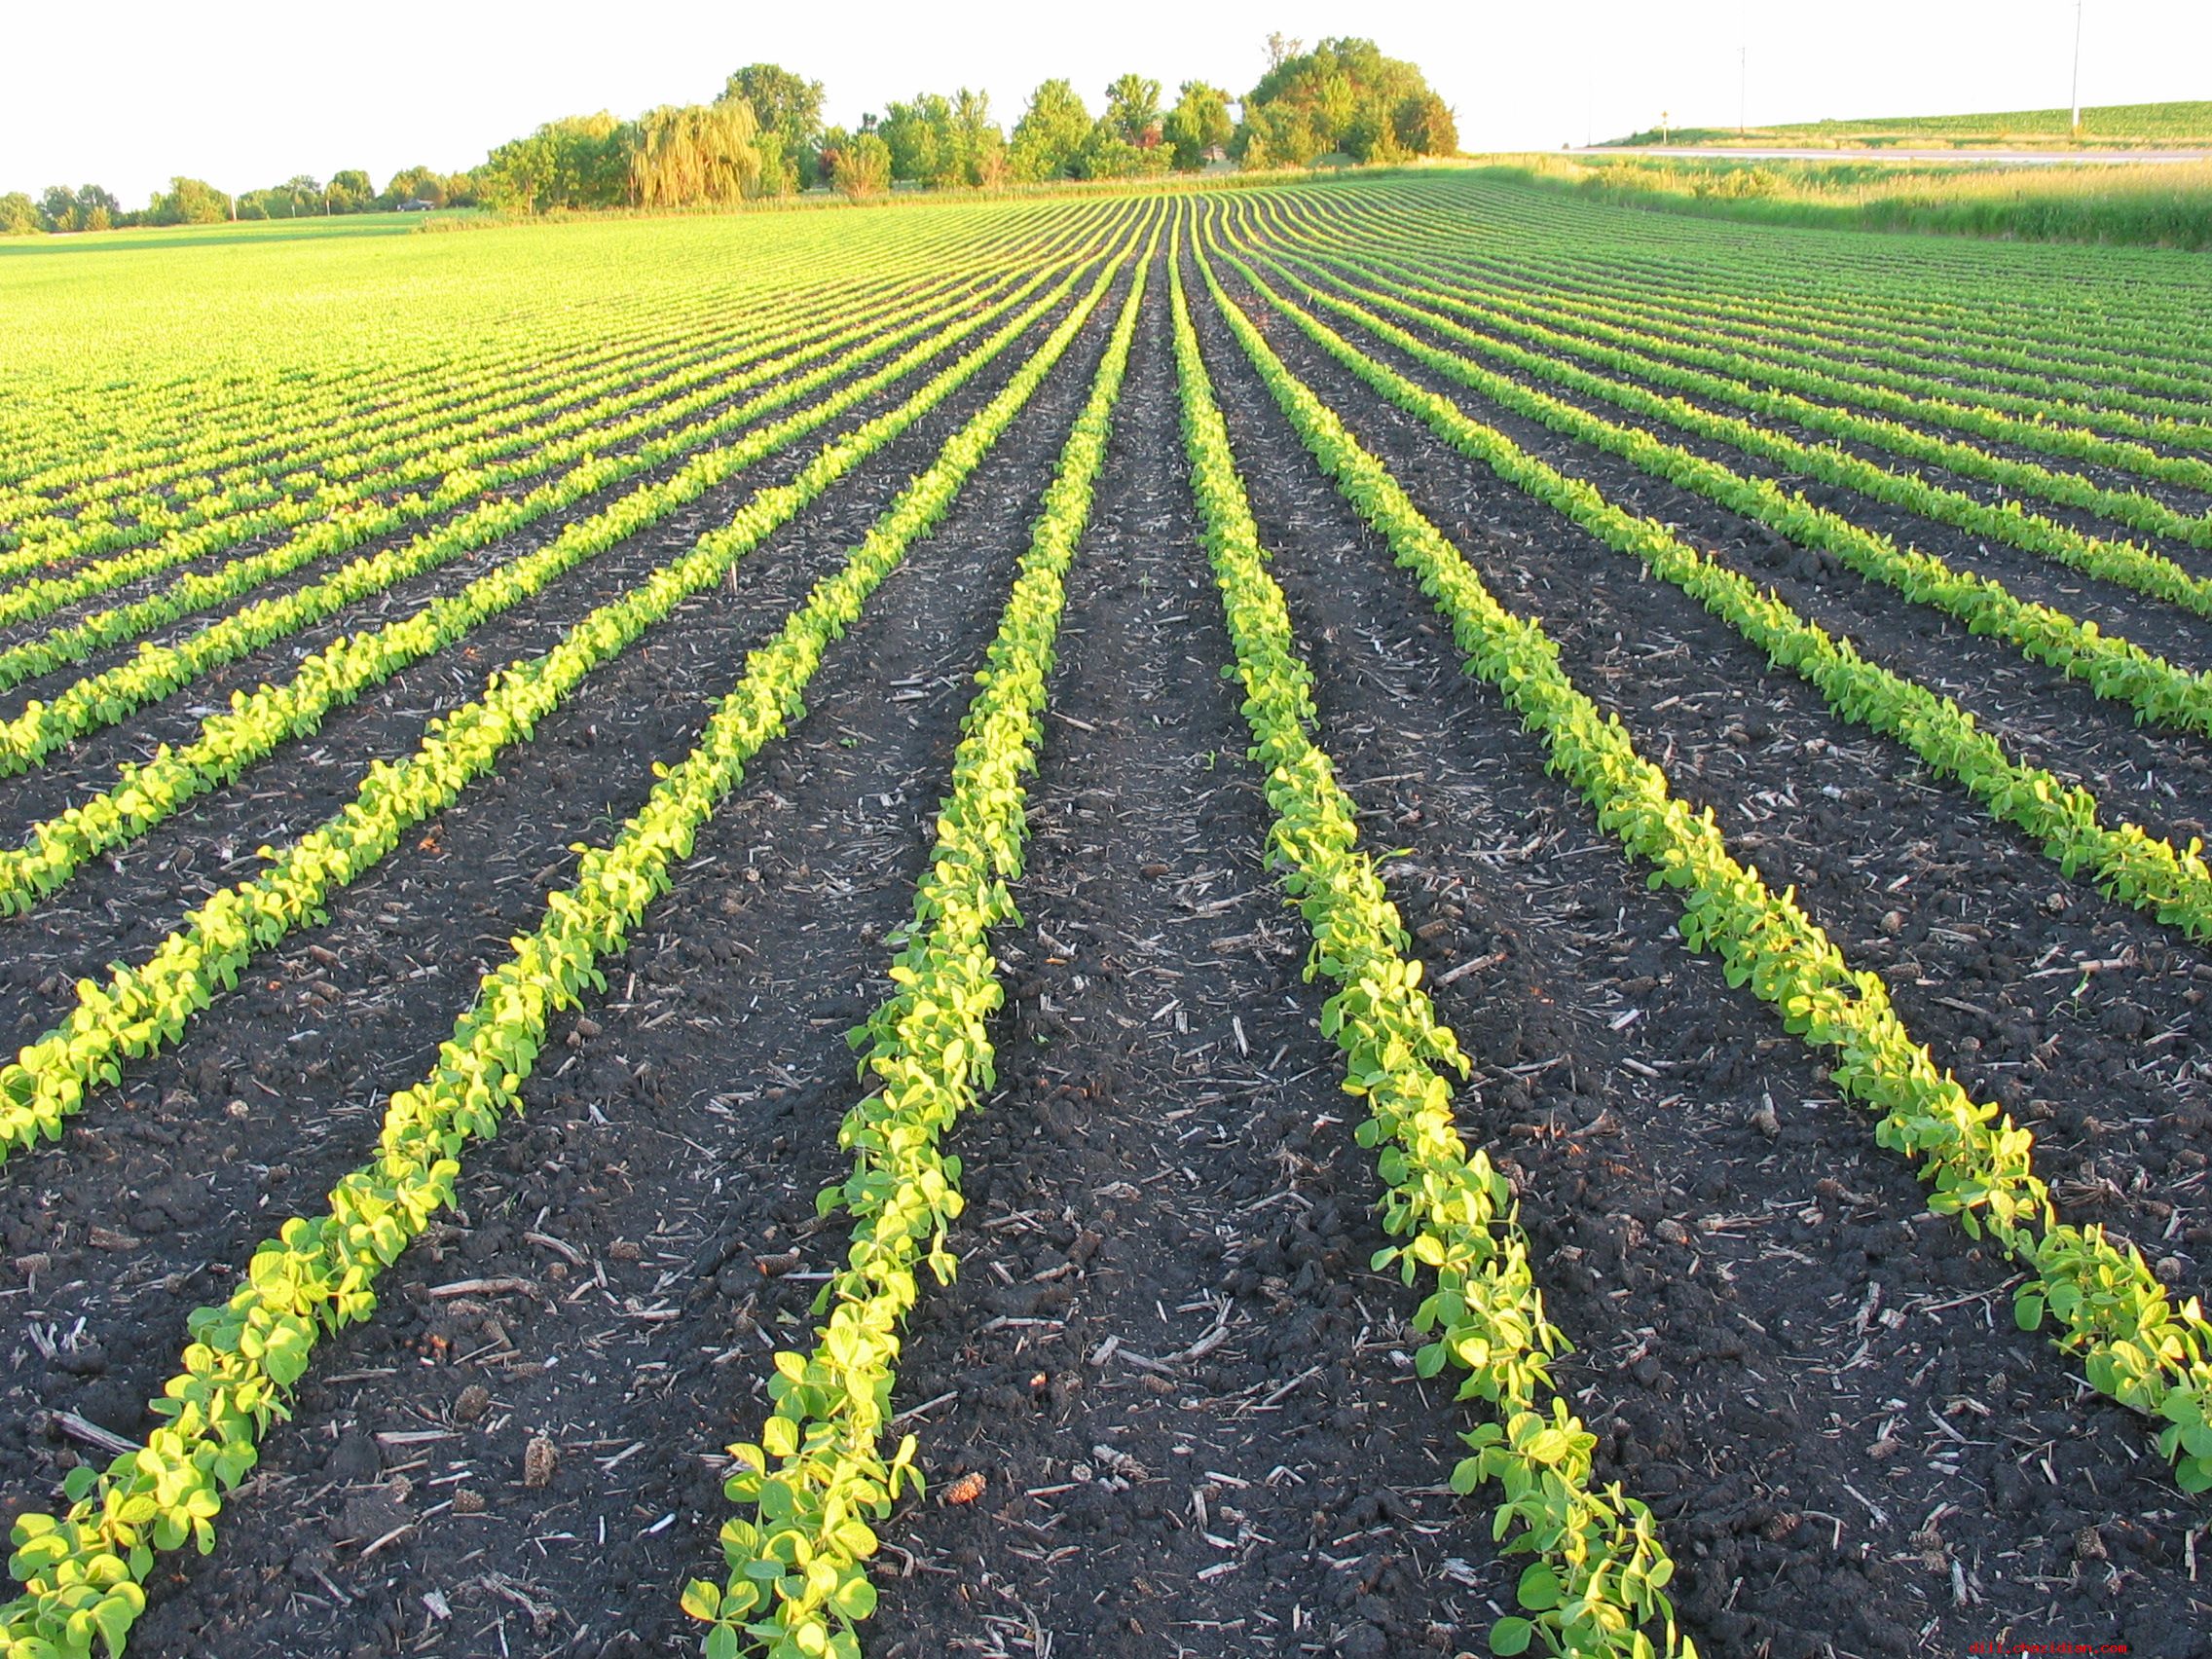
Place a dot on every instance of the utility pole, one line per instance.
(2077, 68)
(1742, 83)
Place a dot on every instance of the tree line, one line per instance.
(58, 209)
(764, 136)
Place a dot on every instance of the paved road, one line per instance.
(2008, 158)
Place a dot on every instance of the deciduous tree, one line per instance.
(1200, 122)
(860, 166)
(189, 202)
(1049, 138)
(691, 155)
(787, 110)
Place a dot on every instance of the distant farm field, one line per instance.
(1396, 915)
(2182, 122)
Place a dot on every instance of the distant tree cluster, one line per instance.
(759, 138)
(764, 136)
(1344, 97)
(62, 210)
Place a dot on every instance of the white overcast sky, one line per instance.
(246, 93)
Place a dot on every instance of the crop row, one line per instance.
(312, 429)
(805, 341)
(148, 793)
(145, 1007)
(340, 515)
(2110, 665)
(1597, 1583)
(2127, 863)
(797, 1557)
(2052, 392)
(802, 340)
(404, 457)
(1728, 377)
(1379, 279)
(404, 451)
(2136, 316)
(490, 321)
(2136, 1343)
(248, 442)
(81, 1572)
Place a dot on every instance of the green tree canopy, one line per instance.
(978, 145)
(97, 209)
(414, 184)
(1051, 135)
(1200, 122)
(787, 110)
(696, 154)
(920, 138)
(1133, 107)
(860, 166)
(19, 216)
(1343, 96)
(581, 161)
(350, 191)
(189, 202)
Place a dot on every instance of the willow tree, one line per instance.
(695, 154)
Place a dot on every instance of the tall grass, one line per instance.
(2156, 204)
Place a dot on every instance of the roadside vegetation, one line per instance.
(2153, 204)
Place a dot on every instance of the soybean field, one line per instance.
(1367, 917)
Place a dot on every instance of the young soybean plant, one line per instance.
(82, 1571)
(1597, 1585)
(798, 1567)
